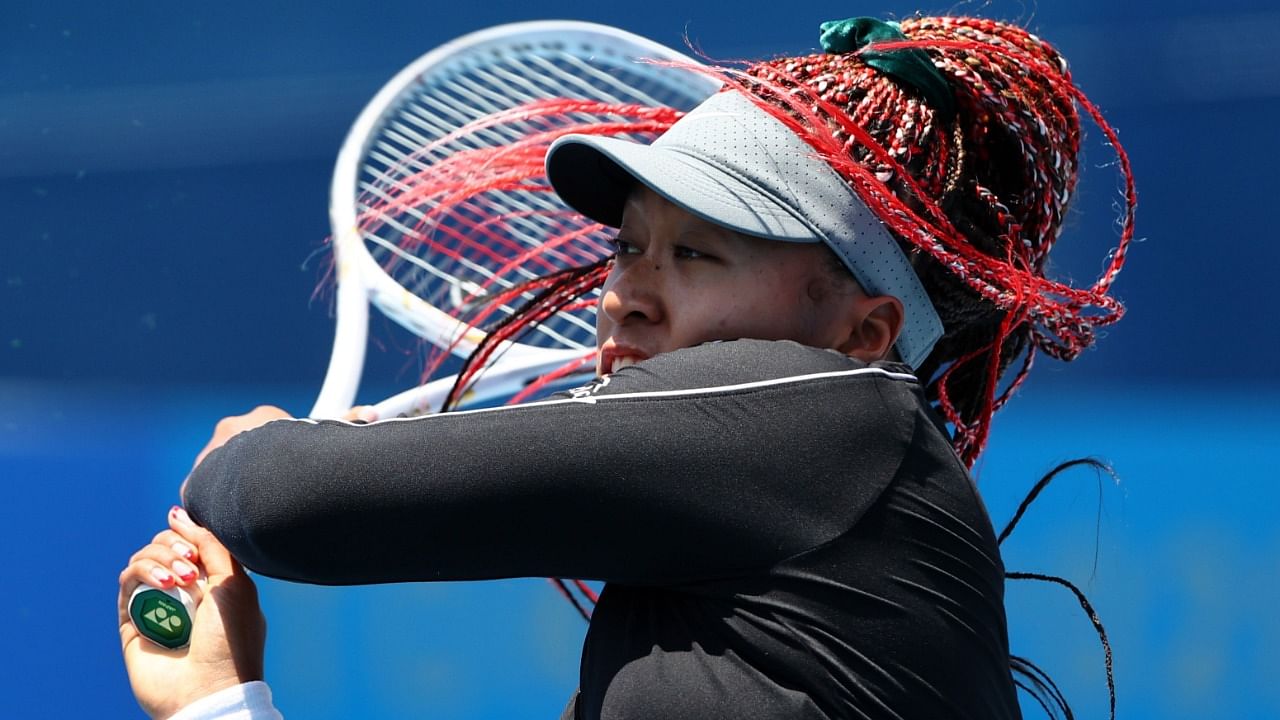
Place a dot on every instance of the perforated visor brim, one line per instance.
(594, 176)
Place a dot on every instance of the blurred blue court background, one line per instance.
(163, 184)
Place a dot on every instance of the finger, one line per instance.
(215, 558)
(178, 544)
(163, 566)
(140, 572)
(148, 574)
(128, 633)
(231, 426)
(361, 414)
(145, 572)
(183, 572)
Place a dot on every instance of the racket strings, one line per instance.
(481, 220)
(510, 324)
(452, 187)
(551, 295)
(436, 116)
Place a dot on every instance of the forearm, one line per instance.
(640, 487)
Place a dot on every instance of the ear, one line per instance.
(876, 323)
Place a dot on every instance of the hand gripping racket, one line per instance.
(440, 210)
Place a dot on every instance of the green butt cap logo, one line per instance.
(161, 618)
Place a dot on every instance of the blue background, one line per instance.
(163, 184)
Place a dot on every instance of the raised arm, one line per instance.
(698, 463)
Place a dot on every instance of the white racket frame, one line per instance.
(360, 279)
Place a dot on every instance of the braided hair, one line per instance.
(973, 178)
(975, 191)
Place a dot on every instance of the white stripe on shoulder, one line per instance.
(588, 399)
(757, 384)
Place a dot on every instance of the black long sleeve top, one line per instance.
(784, 532)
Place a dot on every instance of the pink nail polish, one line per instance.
(162, 576)
(183, 570)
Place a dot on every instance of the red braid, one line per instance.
(977, 202)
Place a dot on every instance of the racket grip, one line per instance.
(162, 616)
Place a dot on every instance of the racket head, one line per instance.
(438, 205)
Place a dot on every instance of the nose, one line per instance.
(633, 294)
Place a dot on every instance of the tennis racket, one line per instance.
(440, 211)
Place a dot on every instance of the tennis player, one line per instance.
(822, 274)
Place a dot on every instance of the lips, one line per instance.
(614, 357)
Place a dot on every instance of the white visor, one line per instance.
(731, 163)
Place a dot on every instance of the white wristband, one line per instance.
(250, 701)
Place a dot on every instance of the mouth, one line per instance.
(614, 357)
(619, 363)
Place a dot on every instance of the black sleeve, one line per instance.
(699, 463)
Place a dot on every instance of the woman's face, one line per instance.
(679, 281)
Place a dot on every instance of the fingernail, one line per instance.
(184, 571)
(162, 576)
(184, 550)
(180, 515)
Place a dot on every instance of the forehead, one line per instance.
(645, 209)
(643, 204)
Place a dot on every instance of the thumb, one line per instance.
(214, 555)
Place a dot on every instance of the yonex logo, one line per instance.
(161, 618)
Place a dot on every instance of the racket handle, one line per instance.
(162, 616)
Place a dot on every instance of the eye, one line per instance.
(622, 247)
(688, 253)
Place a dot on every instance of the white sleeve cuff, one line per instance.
(250, 701)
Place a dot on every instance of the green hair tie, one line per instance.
(909, 65)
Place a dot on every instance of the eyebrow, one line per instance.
(707, 229)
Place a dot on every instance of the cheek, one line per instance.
(781, 307)
(767, 305)
(604, 325)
